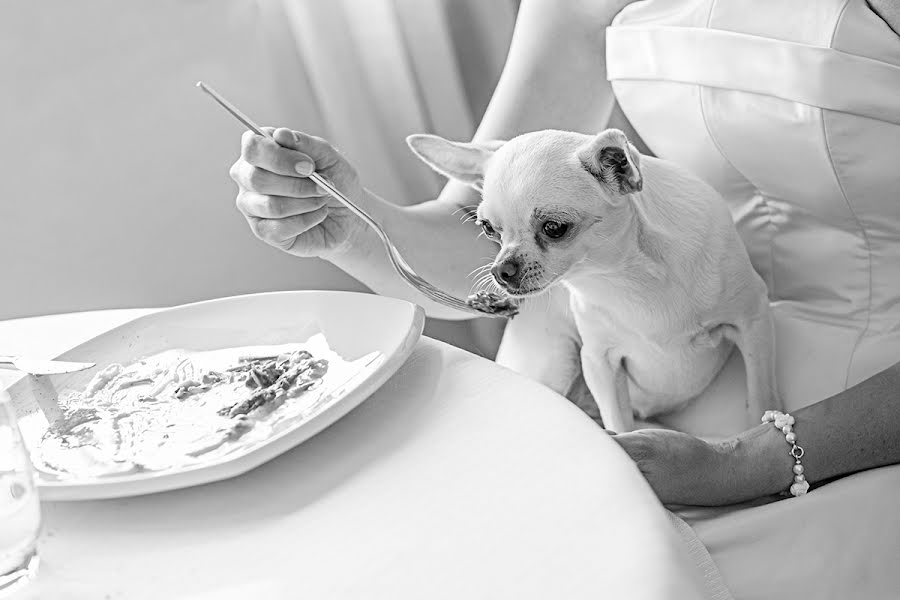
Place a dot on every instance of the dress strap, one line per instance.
(818, 76)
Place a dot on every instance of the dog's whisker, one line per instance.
(587, 260)
(486, 279)
(483, 286)
(468, 207)
(481, 282)
(479, 270)
(488, 284)
(469, 215)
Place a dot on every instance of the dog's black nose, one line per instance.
(507, 273)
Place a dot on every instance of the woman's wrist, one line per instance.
(361, 241)
(762, 462)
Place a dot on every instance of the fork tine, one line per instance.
(443, 297)
(424, 287)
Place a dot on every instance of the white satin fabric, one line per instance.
(792, 111)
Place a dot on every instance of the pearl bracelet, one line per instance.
(785, 423)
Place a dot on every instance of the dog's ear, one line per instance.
(464, 162)
(615, 163)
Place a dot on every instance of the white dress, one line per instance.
(791, 109)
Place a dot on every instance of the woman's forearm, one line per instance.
(854, 430)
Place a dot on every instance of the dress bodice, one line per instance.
(792, 111)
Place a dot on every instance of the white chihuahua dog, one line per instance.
(660, 284)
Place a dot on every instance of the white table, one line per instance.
(457, 479)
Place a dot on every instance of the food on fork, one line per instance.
(493, 303)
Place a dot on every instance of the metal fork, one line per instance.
(403, 269)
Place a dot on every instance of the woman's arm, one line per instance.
(554, 77)
(852, 431)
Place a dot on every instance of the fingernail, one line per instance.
(304, 167)
(321, 190)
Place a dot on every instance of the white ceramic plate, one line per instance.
(377, 332)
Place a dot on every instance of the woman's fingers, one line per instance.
(256, 179)
(282, 233)
(262, 206)
(268, 155)
(291, 153)
(321, 151)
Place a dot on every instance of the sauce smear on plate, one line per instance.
(176, 408)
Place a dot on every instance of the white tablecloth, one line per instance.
(457, 479)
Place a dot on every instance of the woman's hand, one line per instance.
(285, 208)
(683, 469)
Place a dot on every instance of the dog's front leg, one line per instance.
(755, 338)
(606, 378)
(542, 343)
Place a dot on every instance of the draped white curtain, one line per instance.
(367, 73)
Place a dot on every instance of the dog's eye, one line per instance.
(489, 231)
(554, 229)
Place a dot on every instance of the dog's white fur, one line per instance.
(661, 287)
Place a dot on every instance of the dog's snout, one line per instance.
(507, 272)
